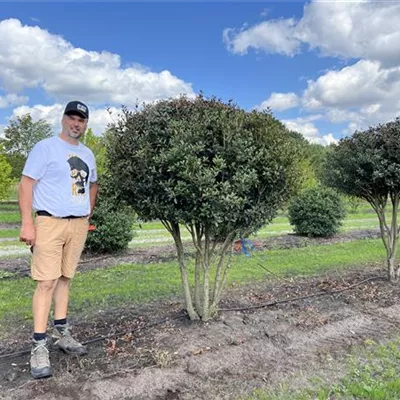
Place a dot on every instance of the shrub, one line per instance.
(113, 227)
(219, 170)
(317, 212)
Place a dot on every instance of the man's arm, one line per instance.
(25, 195)
(94, 188)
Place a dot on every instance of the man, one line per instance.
(59, 183)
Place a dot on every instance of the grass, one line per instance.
(372, 373)
(9, 243)
(8, 206)
(10, 217)
(9, 233)
(153, 233)
(138, 283)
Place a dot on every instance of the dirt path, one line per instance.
(222, 359)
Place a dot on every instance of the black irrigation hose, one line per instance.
(273, 303)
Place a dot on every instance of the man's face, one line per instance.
(74, 126)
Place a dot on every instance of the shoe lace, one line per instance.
(66, 334)
(41, 354)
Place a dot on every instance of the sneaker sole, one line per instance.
(73, 353)
(42, 375)
(66, 351)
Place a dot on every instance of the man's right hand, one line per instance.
(28, 234)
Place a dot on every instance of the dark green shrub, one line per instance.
(317, 211)
(114, 227)
(221, 171)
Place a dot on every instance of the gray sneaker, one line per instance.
(40, 362)
(62, 340)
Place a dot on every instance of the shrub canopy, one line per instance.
(367, 165)
(204, 161)
(317, 211)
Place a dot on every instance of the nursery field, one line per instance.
(301, 319)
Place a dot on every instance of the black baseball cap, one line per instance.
(77, 107)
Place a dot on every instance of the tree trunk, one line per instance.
(197, 282)
(205, 313)
(389, 232)
(393, 270)
(394, 233)
(185, 281)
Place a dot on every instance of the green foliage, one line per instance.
(19, 138)
(98, 147)
(114, 226)
(352, 203)
(219, 170)
(367, 165)
(317, 211)
(203, 161)
(317, 155)
(313, 159)
(6, 182)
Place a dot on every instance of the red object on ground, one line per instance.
(91, 228)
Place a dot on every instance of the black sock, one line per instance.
(39, 336)
(60, 321)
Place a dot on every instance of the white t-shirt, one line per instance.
(63, 173)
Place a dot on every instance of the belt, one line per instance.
(42, 213)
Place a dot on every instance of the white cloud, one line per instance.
(325, 140)
(12, 100)
(309, 130)
(362, 94)
(98, 121)
(360, 29)
(31, 57)
(274, 36)
(280, 102)
(361, 84)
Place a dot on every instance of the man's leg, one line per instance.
(41, 304)
(61, 298)
(77, 232)
(45, 270)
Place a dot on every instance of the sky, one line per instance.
(324, 68)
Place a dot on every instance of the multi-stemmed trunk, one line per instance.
(389, 231)
(202, 301)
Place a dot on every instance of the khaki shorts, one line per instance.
(58, 247)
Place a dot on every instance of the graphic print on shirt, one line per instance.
(79, 175)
